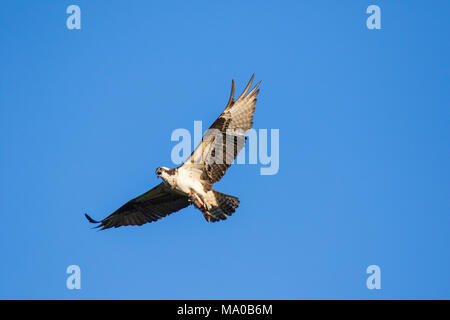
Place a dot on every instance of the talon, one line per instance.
(194, 198)
(209, 214)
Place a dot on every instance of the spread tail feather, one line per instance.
(225, 206)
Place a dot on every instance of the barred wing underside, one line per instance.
(148, 207)
(225, 138)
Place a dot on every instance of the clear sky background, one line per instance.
(86, 117)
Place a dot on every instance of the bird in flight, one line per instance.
(192, 182)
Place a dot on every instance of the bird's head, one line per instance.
(164, 173)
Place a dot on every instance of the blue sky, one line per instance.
(86, 117)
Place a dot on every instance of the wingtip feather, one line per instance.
(231, 99)
(248, 86)
(90, 219)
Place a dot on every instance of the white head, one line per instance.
(165, 173)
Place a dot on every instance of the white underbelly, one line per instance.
(185, 183)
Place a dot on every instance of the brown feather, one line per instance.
(148, 207)
(237, 117)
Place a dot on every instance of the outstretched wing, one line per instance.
(225, 138)
(150, 206)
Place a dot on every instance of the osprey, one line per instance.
(191, 183)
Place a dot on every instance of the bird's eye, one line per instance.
(158, 172)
